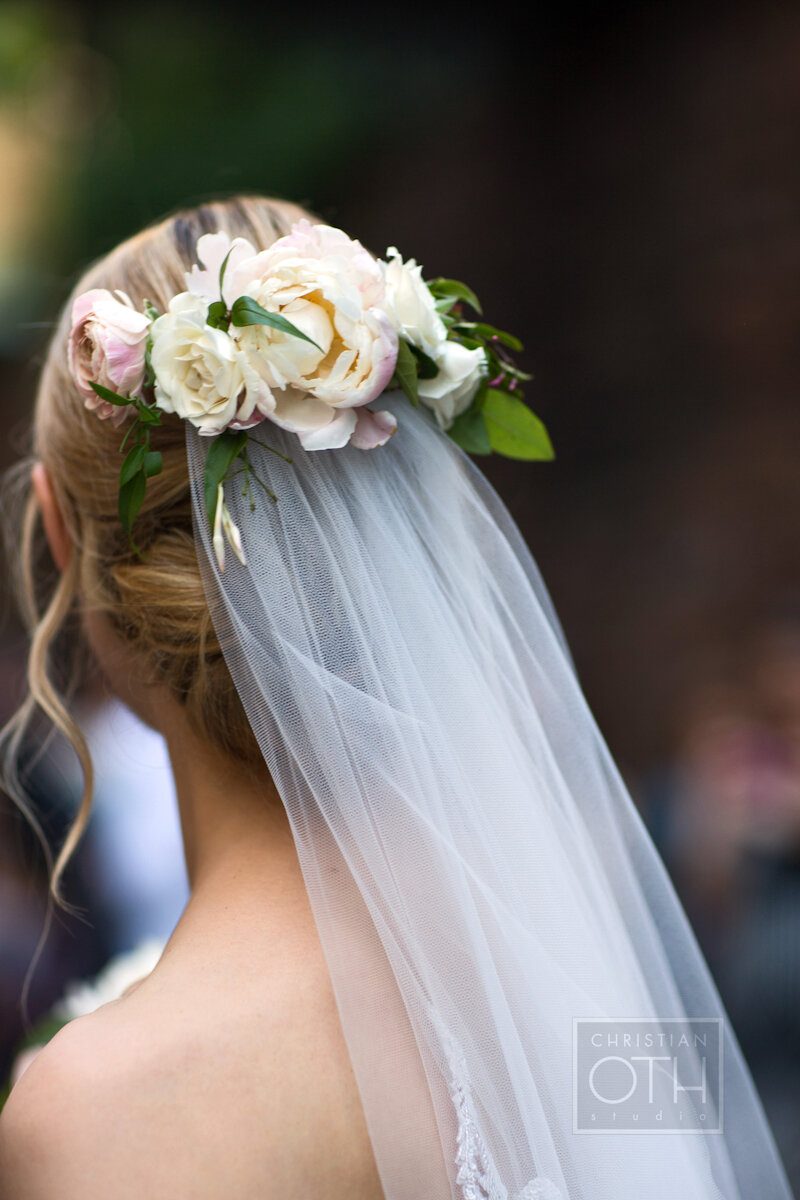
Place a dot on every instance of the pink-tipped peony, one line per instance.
(333, 290)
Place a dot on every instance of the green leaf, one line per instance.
(131, 495)
(134, 461)
(106, 394)
(223, 268)
(441, 288)
(217, 316)
(220, 457)
(490, 333)
(247, 311)
(148, 414)
(470, 342)
(513, 429)
(427, 367)
(150, 311)
(470, 433)
(153, 463)
(405, 372)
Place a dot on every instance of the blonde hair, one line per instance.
(156, 604)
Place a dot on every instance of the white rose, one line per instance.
(333, 290)
(452, 389)
(199, 373)
(411, 306)
(413, 313)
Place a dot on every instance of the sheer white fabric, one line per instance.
(477, 870)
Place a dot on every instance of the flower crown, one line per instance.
(305, 334)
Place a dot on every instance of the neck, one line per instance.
(236, 833)
(239, 849)
(248, 896)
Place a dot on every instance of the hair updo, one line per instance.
(157, 604)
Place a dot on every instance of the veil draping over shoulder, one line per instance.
(478, 873)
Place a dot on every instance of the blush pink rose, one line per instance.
(107, 345)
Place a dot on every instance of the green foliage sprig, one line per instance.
(221, 458)
(141, 462)
(498, 419)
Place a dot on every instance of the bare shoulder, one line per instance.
(176, 1090)
(46, 1119)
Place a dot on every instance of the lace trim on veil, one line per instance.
(477, 1174)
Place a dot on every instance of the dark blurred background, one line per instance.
(622, 189)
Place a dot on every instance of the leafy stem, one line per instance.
(140, 463)
(227, 449)
(250, 470)
(272, 449)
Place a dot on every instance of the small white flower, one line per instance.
(452, 390)
(224, 527)
(233, 535)
(410, 305)
(217, 536)
(412, 309)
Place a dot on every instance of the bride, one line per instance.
(428, 943)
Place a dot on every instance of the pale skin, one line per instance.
(225, 1072)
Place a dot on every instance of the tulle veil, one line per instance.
(481, 881)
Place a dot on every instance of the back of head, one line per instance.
(155, 601)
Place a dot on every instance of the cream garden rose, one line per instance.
(200, 373)
(107, 346)
(332, 290)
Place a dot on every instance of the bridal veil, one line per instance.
(481, 881)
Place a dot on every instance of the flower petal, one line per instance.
(211, 251)
(232, 534)
(336, 433)
(218, 539)
(299, 411)
(372, 429)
